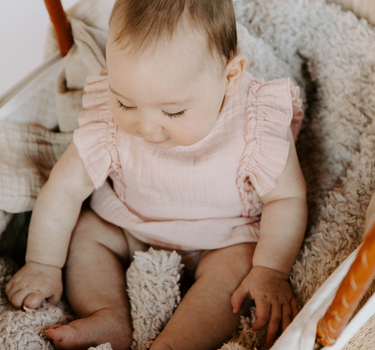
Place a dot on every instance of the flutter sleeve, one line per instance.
(272, 107)
(95, 138)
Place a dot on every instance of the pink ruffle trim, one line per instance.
(96, 137)
(272, 107)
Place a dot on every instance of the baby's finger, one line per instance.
(33, 300)
(274, 323)
(286, 316)
(262, 309)
(11, 292)
(18, 297)
(294, 306)
(238, 297)
(8, 288)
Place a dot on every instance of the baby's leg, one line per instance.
(204, 320)
(95, 287)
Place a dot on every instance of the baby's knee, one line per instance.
(230, 264)
(84, 225)
(91, 228)
(161, 345)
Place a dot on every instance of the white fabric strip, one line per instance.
(301, 333)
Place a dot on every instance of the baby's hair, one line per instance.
(144, 22)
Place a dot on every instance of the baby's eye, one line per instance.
(175, 115)
(125, 108)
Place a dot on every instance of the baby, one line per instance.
(183, 150)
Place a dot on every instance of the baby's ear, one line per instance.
(234, 73)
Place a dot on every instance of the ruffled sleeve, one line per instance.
(272, 107)
(95, 138)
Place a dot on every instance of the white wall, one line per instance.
(23, 25)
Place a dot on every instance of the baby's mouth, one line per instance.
(156, 142)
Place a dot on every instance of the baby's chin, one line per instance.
(165, 146)
(169, 144)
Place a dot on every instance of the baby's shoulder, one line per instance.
(96, 102)
(282, 87)
(276, 101)
(96, 92)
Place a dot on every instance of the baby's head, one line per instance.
(170, 65)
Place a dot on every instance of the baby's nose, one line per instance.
(149, 126)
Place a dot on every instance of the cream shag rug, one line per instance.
(331, 55)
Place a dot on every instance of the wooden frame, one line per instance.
(61, 25)
(349, 294)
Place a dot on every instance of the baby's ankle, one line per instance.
(102, 327)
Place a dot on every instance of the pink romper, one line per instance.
(203, 196)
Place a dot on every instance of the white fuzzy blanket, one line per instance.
(331, 55)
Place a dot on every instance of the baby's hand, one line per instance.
(33, 283)
(273, 298)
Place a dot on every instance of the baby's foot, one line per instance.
(105, 325)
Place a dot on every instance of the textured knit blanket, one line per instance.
(331, 55)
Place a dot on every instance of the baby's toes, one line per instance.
(33, 300)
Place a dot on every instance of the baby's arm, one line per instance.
(54, 216)
(282, 230)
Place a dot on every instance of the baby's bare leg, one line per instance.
(95, 287)
(204, 320)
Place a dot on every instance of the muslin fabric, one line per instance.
(203, 196)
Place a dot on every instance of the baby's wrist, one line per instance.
(272, 272)
(40, 265)
(45, 259)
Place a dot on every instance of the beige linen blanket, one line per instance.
(28, 152)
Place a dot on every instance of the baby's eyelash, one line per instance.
(170, 115)
(175, 115)
(125, 108)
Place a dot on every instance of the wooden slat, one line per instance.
(349, 294)
(61, 25)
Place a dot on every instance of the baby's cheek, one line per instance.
(125, 124)
(191, 134)
(204, 127)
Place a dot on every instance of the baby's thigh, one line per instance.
(91, 231)
(230, 264)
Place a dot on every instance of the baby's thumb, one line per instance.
(33, 300)
(238, 297)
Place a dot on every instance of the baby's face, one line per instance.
(170, 96)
